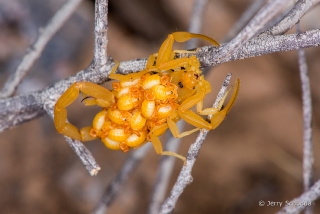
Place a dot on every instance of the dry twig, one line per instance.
(100, 32)
(260, 45)
(35, 50)
(196, 21)
(185, 177)
(300, 203)
(245, 18)
(307, 119)
(264, 15)
(164, 172)
(167, 163)
(113, 188)
(293, 17)
(30, 106)
(17, 110)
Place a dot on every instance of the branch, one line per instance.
(17, 110)
(83, 153)
(185, 177)
(264, 15)
(245, 18)
(20, 109)
(306, 199)
(307, 119)
(113, 188)
(49, 97)
(100, 31)
(28, 107)
(166, 165)
(60, 17)
(260, 45)
(293, 17)
(196, 21)
(164, 172)
(279, 16)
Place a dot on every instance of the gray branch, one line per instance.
(20, 109)
(293, 17)
(300, 203)
(100, 31)
(260, 45)
(24, 109)
(167, 163)
(264, 15)
(308, 158)
(196, 21)
(17, 110)
(279, 16)
(60, 17)
(245, 18)
(164, 173)
(113, 188)
(185, 176)
(83, 153)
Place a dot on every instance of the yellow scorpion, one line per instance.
(143, 105)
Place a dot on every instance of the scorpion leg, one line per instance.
(157, 131)
(174, 128)
(219, 115)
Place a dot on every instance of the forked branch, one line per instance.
(185, 177)
(208, 56)
(36, 49)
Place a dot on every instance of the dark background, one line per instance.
(254, 155)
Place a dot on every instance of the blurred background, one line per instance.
(256, 154)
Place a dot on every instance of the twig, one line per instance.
(293, 17)
(166, 165)
(260, 45)
(196, 21)
(185, 177)
(26, 107)
(164, 172)
(264, 15)
(49, 96)
(244, 19)
(17, 110)
(113, 188)
(99, 63)
(83, 153)
(30, 106)
(300, 203)
(100, 31)
(307, 119)
(35, 50)
(20, 109)
(279, 16)
(85, 156)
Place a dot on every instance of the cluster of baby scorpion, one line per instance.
(140, 105)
